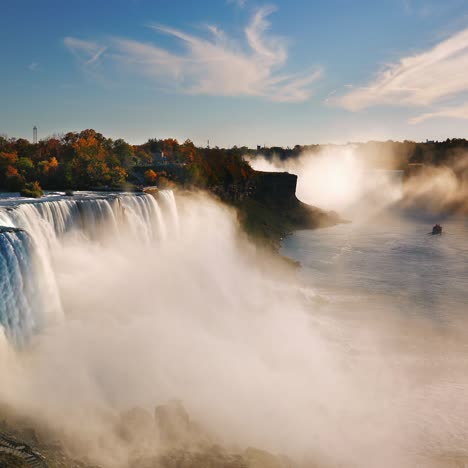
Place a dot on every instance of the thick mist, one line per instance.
(343, 178)
(439, 188)
(337, 178)
(203, 317)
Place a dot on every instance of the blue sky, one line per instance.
(238, 72)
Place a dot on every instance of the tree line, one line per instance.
(88, 160)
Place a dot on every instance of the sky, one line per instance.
(236, 72)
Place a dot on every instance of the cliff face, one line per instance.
(274, 187)
(269, 209)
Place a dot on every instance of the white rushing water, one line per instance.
(29, 294)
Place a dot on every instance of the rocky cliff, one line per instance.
(269, 209)
(274, 187)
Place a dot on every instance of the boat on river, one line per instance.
(437, 230)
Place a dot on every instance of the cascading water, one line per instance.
(168, 197)
(21, 304)
(30, 231)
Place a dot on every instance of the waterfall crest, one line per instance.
(30, 231)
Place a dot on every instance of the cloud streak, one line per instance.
(455, 112)
(214, 65)
(87, 52)
(428, 78)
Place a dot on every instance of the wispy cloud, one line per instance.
(87, 52)
(456, 112)
(427, 78)
(213, 64)
(33, 66)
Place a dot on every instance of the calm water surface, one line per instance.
(388, 264)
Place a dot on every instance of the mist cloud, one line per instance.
(338, 178)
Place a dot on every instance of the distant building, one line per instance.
(159, 157)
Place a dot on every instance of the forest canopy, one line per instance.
(89, 160)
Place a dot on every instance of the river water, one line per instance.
(392, 298)
(389, 263)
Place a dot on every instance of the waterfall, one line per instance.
(22, 309)
(30, 231)
(167, 196)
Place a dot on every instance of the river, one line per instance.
(391, 262)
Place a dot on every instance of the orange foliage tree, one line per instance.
(150, 177)
(14, 181)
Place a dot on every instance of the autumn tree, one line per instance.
(48, 173)
(118, 176)
(14, 181)
(150, 177)
(188, 151)
(8, 161)
(170, 148)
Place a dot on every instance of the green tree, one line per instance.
(26, 168)
(124, 153)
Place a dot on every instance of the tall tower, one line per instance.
(34, 134)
